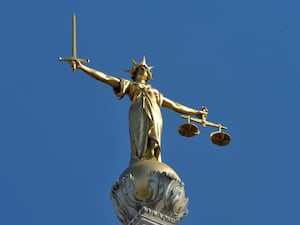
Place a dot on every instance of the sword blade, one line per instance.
(74, 50)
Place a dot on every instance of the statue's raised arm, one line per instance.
(98, 75)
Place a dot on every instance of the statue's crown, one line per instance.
(137, 65)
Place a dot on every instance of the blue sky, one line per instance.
(64, 136)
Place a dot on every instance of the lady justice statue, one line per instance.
(148, 188)
(145, 119)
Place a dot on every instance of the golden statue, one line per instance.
(145, 119)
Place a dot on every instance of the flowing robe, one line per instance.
(145, 120)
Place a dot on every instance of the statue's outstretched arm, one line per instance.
(180, 108)
(98, 75)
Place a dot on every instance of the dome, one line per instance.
(141, 173)
(150, 184)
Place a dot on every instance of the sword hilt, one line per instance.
(72, 59)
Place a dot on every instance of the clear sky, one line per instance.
(64, 136)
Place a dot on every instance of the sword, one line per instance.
(74, 50)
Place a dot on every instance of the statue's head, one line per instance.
(140, 69)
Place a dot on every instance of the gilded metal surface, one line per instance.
(220, 138)
(145, 119)
(189, 130)
(204, 122)
(73, 58)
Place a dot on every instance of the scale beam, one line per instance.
(72, 60)
(204, 122)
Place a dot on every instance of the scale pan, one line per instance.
(188, 130)
(220, 138)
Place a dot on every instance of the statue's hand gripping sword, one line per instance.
(72, 60)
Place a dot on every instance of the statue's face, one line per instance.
(141, 73)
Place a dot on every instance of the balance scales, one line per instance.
(189, 129)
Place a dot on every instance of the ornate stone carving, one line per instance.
(163, 193)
